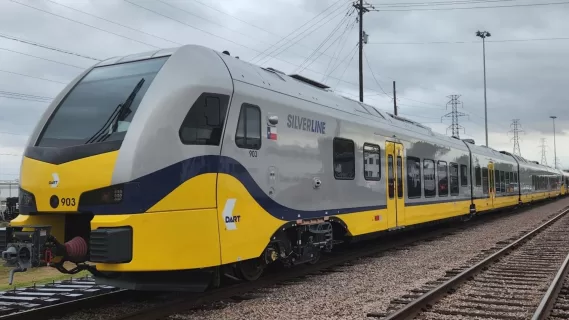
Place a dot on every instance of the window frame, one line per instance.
(364, 161)
(244, 106)
(334, 157)
(486, 186)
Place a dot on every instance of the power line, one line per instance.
(471, 42)
(25, 75)
(29, 55)
(437, 3)
(13, 133)
(374, 78)
(25, 95)
(288, 44)
(295, 30)
(516, 130)
(482, 7)
(85, 24)
(116, 23)
(47, 47)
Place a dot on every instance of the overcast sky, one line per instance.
(428, 47)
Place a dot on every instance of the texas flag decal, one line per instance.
(272, 133)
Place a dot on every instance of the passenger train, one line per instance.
(172, 169)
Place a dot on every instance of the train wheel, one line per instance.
(251, 269)
(316, 257)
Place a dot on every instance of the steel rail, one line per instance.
(411, 310)
(548, 301)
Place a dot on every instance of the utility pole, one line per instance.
(454, 114)
(361, 10)
(516, 130)
(543, 146)
(394, 99)
(484, 35)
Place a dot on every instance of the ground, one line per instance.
(35, 275)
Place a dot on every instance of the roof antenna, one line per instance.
(226, 52)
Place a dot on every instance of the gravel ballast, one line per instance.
(371, 284)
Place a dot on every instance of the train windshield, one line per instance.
(101, 106)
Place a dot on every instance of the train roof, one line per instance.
(307, 89)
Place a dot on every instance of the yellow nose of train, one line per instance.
(49, 187)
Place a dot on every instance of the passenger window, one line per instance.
(248, 133)
(203, 124)
(497, 181)
(372, 168)
(442, 171)
(485, 180)
(463, 175)
(511, 177)
(515, 177)
(344, 160)
(454, 191)
(413, 177)
(502, 181)
(429, 178)
(478, 176)
(507, 184)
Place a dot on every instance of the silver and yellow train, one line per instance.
(174, 168)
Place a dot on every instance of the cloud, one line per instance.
(526, 80)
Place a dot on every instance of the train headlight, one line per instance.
(26, 198)
(106, 195)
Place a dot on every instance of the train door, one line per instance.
(491, 184)
(395, 185)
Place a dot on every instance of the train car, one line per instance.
(187, 163)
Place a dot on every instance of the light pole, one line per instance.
(483, 35)
(554, 145)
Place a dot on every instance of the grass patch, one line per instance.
(41, 275)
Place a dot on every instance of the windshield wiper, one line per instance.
(123, 112)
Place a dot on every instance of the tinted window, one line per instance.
(454, 179)
(443, 178)
(478, 177)
(248, 133)
(485, 180)
(497, 181)
(515, 177)
(502, 181)
(429, 177)
(512, 177)
(344, 161)
(463, 175)
(204, 123)
(96, 109)
(372, 168)
(413, 177)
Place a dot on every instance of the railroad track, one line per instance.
(39, 301)
(518, 281)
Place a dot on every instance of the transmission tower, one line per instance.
(516, 130)
(454, 114)
(543, 147)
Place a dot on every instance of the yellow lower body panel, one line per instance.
(172, 240)
(507, 201)
(365, 222)
(431, 212)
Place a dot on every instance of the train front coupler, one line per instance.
(26, 247)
